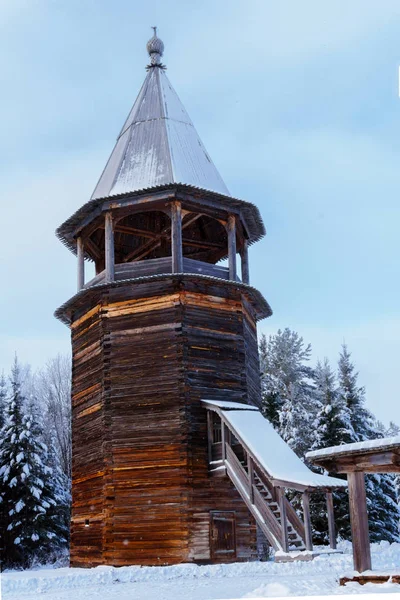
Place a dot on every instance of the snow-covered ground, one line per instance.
(192, 582)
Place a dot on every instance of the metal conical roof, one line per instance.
(158, 143)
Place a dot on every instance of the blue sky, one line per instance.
(296, 102)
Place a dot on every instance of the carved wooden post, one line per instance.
(307, 520)
(231, 228)
(81, 263)
(109, 248)
(245, 263)
(331, 520)
(282, 509)
(359, 521)
(176, 237)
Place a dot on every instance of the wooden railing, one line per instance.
(250, 481)
(159, 266)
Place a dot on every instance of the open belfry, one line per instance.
(172, 460)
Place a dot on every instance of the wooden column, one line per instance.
(331, 520)
(210, 435)
(81, 263)
(307, 520)
(251, 477)
(282, 509)
(359, 521)
(223, 440)
(109, 248)
(176, 237)
(245, 263)
(231, 228)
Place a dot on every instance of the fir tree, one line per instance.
(333, 422)
(383, 510)
(353, 396)
(26, 481)
(286, 389)
(3, 398)
(332, 427)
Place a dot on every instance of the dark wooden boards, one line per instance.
(144, 355)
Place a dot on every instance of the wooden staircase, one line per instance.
(264, 493)
(266, 503)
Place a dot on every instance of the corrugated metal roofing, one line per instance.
(158, 145)
(254, 223)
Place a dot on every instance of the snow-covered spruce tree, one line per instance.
(287, 394)
(383, 510)
(59, 513)
(353, 396)
(3, 397)
(332, 427)
(393, 431)
(333, 422)
(3, 404)
(27, 483)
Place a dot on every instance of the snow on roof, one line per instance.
(158, 145)
(270, 450)
(356, 447)
(230, 405)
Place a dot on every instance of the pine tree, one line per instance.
(286, 389)
(332, 427)
(59, 514)
(353, 396)
(333, 422)
(383, 510)
(3, 398)
(393, 431)
(3, 404)
(26, 481)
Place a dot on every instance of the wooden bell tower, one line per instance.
(159, 328)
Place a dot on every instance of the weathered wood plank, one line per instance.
(359, 522)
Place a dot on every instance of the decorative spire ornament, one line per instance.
(155, 48)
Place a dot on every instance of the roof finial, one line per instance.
(155, 48)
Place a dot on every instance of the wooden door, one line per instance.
(222, 534)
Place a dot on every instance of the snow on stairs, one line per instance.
(243, 445)
(262, 499)
(294, 539)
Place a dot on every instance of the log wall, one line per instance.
(143, 357)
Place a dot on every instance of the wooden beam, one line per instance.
(245, 262)
(202, 244)
(231, 228)
(307, 520)
(209, 435)
(135, 231)
(148, 247)
(176, 237)
(109, 248)
(93, 249)
(359, 522)
(250, 466)
(282, 509)
(368, 462)
(223, 440)
(80, 251)
(331, 520)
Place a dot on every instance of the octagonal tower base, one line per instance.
(145, 353)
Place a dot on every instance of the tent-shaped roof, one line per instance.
(158, 143)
